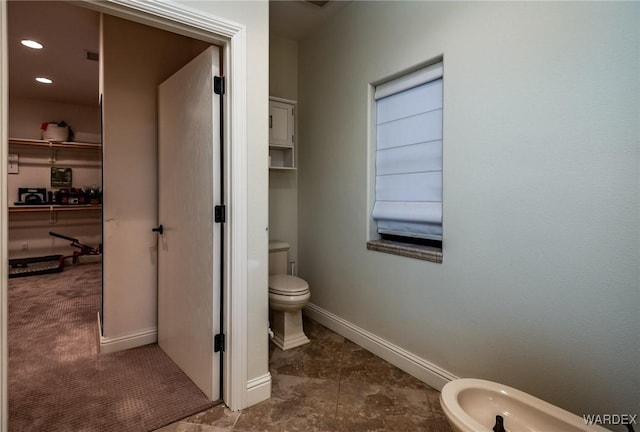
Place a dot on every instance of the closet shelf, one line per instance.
(281, 168)
(53, 208)
(281, 146)
(66, 145)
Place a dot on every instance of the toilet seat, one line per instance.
(287, 285)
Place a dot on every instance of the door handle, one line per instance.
(159, 229)
(270, 122)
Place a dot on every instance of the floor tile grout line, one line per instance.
(233, 426)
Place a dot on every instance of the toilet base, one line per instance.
(287, 329)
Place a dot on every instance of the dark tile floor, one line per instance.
(330, 385)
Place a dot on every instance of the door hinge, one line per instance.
(218, 343)
(218, 85)
(220, 214)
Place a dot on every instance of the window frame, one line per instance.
(406, 246)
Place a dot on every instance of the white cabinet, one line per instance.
(281, 134)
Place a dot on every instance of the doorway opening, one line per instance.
(233, 37)
(116, 317)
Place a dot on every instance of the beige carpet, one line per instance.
(59, 382)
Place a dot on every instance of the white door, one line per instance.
(189, 261)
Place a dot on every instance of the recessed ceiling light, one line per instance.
(44, 80)
(31, 44)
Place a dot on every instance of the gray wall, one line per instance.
(539, 288)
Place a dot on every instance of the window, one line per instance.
(408, 158)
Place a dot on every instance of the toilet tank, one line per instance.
(278, 257)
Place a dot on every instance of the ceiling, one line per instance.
(296, 19)
(67, 33)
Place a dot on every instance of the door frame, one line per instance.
(232, 39)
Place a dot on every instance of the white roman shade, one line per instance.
(409, 155)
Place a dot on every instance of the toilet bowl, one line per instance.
(287, 296)
(471, 405)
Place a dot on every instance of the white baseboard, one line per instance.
(420, 368)
(258, 389)
(132, 340)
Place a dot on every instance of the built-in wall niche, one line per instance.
(281, 158)
(281, 134)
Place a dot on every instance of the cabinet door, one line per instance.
(280, 124)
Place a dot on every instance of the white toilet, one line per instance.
(287, 296)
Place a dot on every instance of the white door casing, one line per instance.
(232, 36)
(4, 256)
(189, 259)
(179, 18)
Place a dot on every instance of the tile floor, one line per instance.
(330, 385)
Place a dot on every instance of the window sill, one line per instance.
(425, 253)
